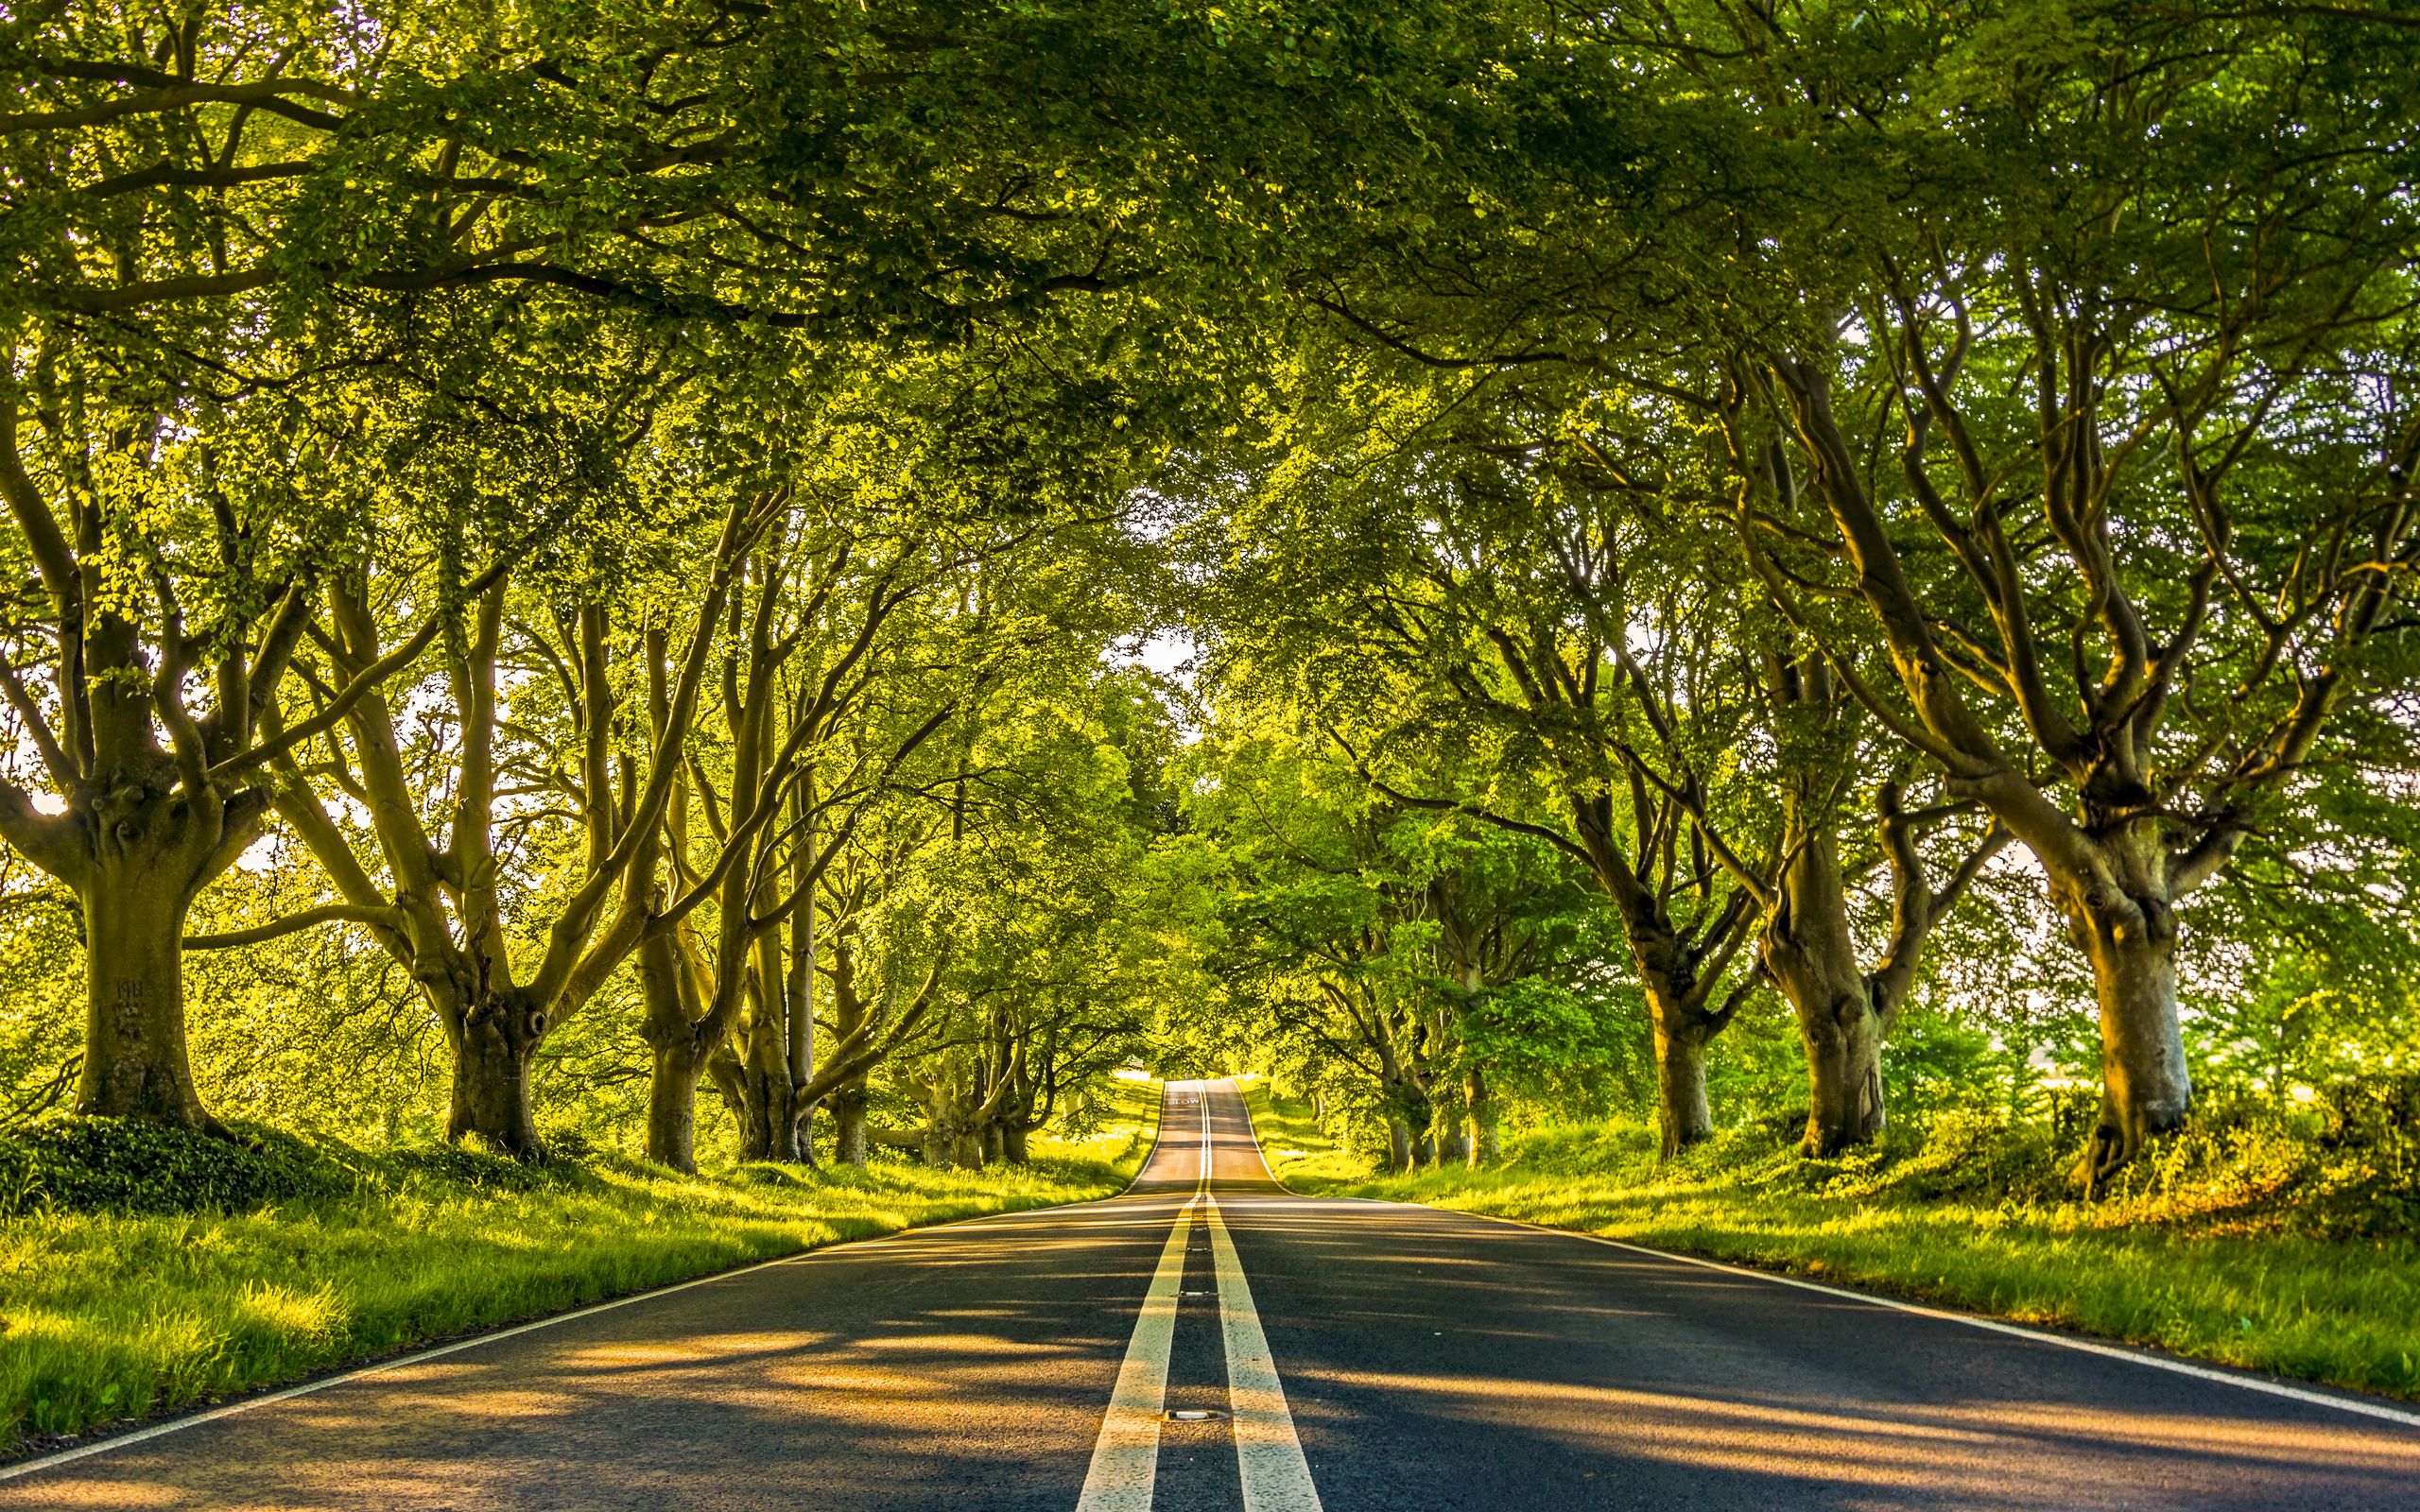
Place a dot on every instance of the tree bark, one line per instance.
(667, 1026)
(1681, 1040)
(135, 1064)
(2145, 1090)
(1014, 1147)
(1398, 1146)
(1480, 1104)
(1807, 951)
(800, 993)
(672, 1109)
(491, 1054)
(768, 1112)
(849, 1123)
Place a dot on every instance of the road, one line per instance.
(1352, 1356)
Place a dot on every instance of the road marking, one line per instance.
(1125, 1455)
(1268, 1453)
(2016, 1330)
(67, 1456)
(270, 1399)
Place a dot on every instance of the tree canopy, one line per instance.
(886, 562)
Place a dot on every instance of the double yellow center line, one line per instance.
(1269, 1452)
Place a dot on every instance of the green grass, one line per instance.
(1298, 1150)
(2345, 1311)
(106, 1317)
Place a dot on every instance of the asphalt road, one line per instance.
(1352, 1356)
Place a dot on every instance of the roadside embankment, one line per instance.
(142, 1272)
(2233, 1283)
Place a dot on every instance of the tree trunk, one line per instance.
(1669, 975)
(1014, 1148)
(672, 1081)
(1842, 1037)
(995, 1142)
(1682, 1107)
(1415, 1116)
(849, 1123)
(1398, 1146)
(799, 995)
(2120, 913)
(1808, 951)
(768, 1112)
(672, 1109)
(135, 1064)
(772, 1090)
(1481, 1108)
(492, 1082)
(1449, 1142)
(2145, 1088)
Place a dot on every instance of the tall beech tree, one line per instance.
(446, 911)
(749, 973)
(1531, 564)
(172, 598)
(1522, 608)
(2149, 498)
(1846, 1000)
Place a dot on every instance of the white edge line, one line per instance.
(128, 1439)
(1159, 1132)
(2237, 1377)
(64, 1456)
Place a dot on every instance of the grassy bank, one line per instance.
(313, 1256)
(2224, 1283)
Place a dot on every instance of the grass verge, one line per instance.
(1299, 1152)
(2343, 1311)
(110, 1316)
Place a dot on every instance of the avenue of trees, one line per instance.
(1747, 562)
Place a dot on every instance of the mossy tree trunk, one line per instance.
(135, 1064)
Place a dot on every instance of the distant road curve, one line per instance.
(1210, 1341)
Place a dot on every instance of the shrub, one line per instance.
(469, 1165)
(81, 1165)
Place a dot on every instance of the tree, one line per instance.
(176, 579)
(2150, 506)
